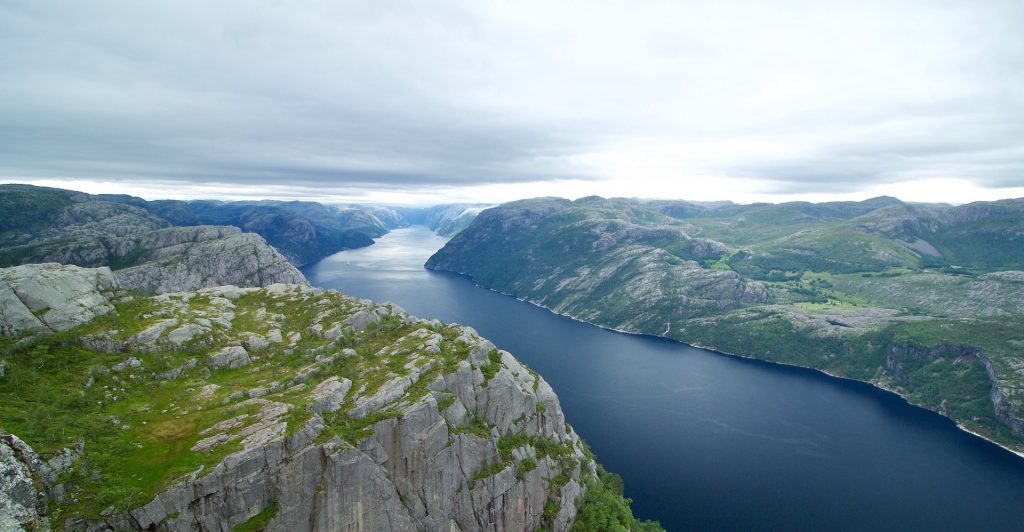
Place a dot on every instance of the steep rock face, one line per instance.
(341, 414)
(205, 256)
(52, 297)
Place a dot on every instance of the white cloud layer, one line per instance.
(490, 101)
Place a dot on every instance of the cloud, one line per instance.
(328, 96)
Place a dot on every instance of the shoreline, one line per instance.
(716, 351)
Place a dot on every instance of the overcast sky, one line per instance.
(426, 102)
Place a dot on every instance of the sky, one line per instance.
(432, 102)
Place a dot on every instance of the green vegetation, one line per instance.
(443, 404)
(545, 447)
(24, 207)
(525, 466)
(490, 471)
(477, 426)
(133, 448)
(354, 430)
(605, 508)
(493, 365)
(136, 256)
(259, 521)
(551, 509)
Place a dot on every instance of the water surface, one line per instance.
(707, 441)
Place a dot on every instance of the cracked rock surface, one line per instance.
(301, 406)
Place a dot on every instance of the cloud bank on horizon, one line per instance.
(487, 101)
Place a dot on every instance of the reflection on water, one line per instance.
(706, 441)
(400, 255)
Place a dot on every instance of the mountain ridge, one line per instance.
(820, 290)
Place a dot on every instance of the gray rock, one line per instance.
(153, 332)
(329, 394)
(21, 505)
(186, 333)
(208, 256)
(230, 357)
(130, 363)
(176, 372)
(255, 342)
(38, 298)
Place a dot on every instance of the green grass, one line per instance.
(444, 403)
(259, 521)
(490, 471)
(477, 426)
(525, 466)
(493, 365)
(353, 430)
(44, 401)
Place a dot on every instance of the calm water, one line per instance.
(706, 441)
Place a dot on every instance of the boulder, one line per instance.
(38, 298)
(231, 357)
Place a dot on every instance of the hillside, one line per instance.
(42, 225)
(923, 300)
(284, 407)
(303, 231)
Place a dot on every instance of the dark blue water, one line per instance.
(707, 441)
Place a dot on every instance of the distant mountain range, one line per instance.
(40, 224)
(926, 300)
(147, 252)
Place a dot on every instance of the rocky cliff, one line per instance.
(146, 253)
(188, 258)
(282, 408)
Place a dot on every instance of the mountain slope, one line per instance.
(849, 288)
(303, 231)
(593, 261)
(145, 251)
